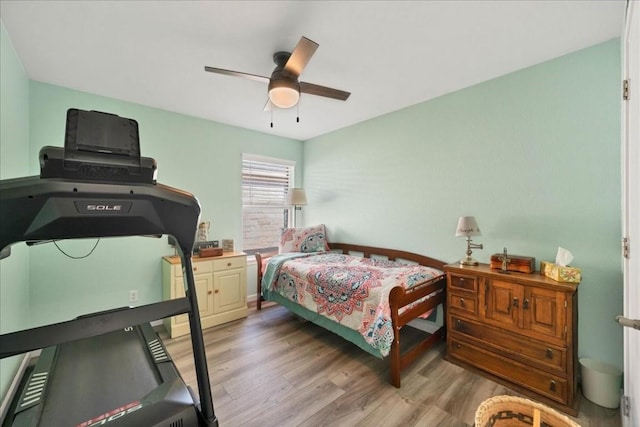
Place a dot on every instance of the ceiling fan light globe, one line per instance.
(284, 93)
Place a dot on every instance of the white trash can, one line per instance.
(601, 382)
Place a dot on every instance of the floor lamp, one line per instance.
(296, 198)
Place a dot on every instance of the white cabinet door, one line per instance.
(229, 290)
(204, 288)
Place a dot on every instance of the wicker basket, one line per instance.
(511, 411)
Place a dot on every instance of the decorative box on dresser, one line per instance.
(519, 329)
(221, 288)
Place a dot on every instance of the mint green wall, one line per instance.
(533, 155)
(196, 155)
(14, 152)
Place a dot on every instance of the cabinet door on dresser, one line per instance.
(547, 312)
(503, 302)
(204, 288)
(528, 308)
(229, 289)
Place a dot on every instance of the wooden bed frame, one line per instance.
(398, 298)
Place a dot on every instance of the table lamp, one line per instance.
(467, 227)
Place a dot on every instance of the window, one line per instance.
(265, 182)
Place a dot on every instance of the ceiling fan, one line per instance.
(284, 87)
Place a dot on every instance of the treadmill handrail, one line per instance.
(87, 326)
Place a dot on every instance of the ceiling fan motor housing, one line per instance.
(284, 89)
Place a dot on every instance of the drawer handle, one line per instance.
(462, 302)
(228, 264)
(209, 292)
(549, 354)
(195, 268)
(516, 302)
(552, 385)
(525, 304)
(460, 326)
(461, 281)
(216, 291)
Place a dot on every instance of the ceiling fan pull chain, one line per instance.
(271, 117)
(298, 112)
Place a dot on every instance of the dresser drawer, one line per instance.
(467, 303)
(201, 267)
(461, 282)
(229, 263)
(545, 384)
(529, 351)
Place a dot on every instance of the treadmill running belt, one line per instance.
(95, 375)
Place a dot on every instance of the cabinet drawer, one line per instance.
(466, 303)
(538, 381)
(198, 268)
(229, 263)
(202, 267)
(524, 349)
(462, 282)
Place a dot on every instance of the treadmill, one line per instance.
(108, 368)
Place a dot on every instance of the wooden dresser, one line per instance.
(518, 329)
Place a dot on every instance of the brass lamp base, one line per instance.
(468, 261)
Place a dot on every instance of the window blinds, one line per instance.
(265, 181)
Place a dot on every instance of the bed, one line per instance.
(364, 294)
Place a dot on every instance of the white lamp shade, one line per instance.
(467, 226)
(284, 93)
(296, 197)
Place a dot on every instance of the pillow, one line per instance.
(308, 239)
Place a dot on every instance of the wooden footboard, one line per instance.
(398, 299)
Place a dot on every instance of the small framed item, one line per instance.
(227, 245)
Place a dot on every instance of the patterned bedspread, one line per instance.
(352, 291)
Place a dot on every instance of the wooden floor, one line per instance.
(272, 369)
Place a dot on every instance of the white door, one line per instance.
(631, 212)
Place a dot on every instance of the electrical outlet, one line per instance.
(133, 295)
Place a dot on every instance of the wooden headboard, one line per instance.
(391, 254)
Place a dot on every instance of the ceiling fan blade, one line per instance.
(300, 56)
(327, 92)
(237, 74)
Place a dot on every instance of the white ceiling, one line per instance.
(388, 54)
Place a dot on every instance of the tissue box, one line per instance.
(560, 273)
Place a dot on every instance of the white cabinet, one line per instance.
(221, 288)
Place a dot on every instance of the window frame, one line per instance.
(263, 196)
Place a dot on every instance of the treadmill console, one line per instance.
(98, 147)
